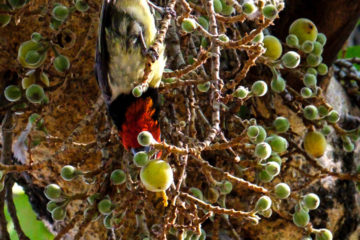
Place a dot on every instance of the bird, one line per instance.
(126, 32)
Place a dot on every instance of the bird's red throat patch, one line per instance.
(138, 118)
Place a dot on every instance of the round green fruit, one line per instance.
(58, 214)
(273, 47)
(204, 87)
(249, 8)
(117, 177)
(311, 201)
(196, 193)
(217, 6)
(292, 41)
(301, 218)
(278, 144)
(310, 80)
(304, 29)
(262, 150)
(156, 176)
(269, 11)
(68, 173)
(278, 84)
(145, 138)
(253, 131)
(322, 69)
(226, 187)
(272, 168)
(141, 159)
(281, 124)
(263, 203)
(61, 63)
(105, 206)
(265, 177)
(307, 46)
(25, 48)
(16, 4)
(313, 60)
(60, 12)
(282, 191)
(35, 93)
(12, 93)
(204, 22)
(259, 88)
(188, 25)
(32, 57)
(321, 38)
(241, 92)
(51, 205)
(306, 92)
(324, 234)
(52, 192)
(81, 5)
(290, 59)
(310, 112)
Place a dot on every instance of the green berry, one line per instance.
(333, 116)
(261, 136)
(4, 19)
(68, 173)
(321, 38)
(318, 48)
(282, 191)
(306, 92)
(301, 218)
(269, 11)
(322, 69)
(204, 22)
(273, 47)
(32, 57)
(241, 92)
(324, 234)
(105, 206)
(312, 71)
(323, 111)
(156, 176)
(310, 112)
(290, 59)
(35, 93)
(263, 203)
(313, 60)
(281, 124)
(292, 41)
(204, 87)
(307, 46)
(262, 150)
(58, 214)
(141, 159)
(348, 146)
(278, 84)
(253, 131)
(145, 138)
(311, 201)
(188, 25)
(227, 10)
(117, 177)
(258, 38)
(259, 88)
(204, 42)
(196, 193)
(265, 177)
(51, 205)
(224, 38)
(81, 5)
(60, 12)
(12, 93)
(310, 80)
(275, 158)
(137, 91)
(52, 192)
(249, 8)
(35, 36)
(304, 29)
(217, 6)
(61, 63)
(278, 144)
(326, 130)
(29, 54)
(315, 144)
(225, 187)
(272, 168)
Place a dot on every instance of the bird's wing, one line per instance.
(102, 54)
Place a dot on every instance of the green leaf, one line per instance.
(350, 52)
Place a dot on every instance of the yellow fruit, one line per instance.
(304, 29)
(156, 176)
(315, 144)
(273, 47)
